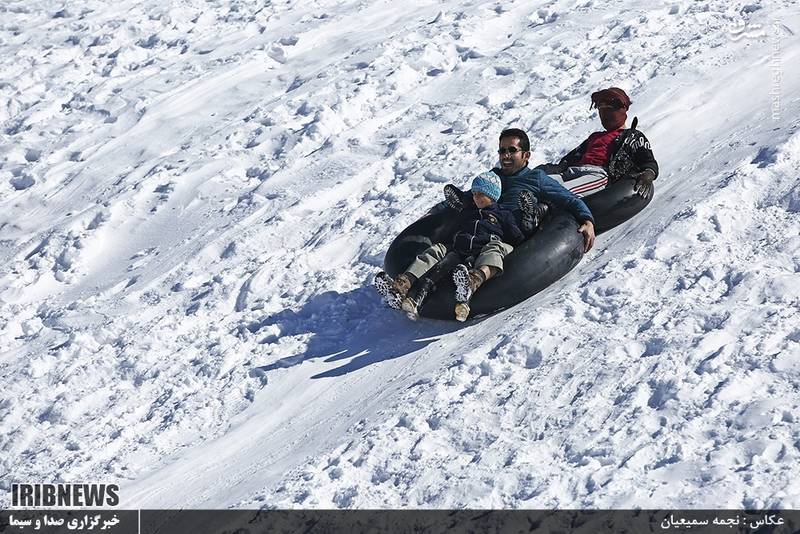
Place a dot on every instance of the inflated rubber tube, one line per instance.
(534, 265)
(616, 204)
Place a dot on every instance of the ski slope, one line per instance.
(195, 197)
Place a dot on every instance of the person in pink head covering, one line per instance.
(606, 156)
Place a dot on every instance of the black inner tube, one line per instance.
(535, 264)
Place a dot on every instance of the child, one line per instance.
(484, 231)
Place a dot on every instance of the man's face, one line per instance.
(612, 114)
(512, 157)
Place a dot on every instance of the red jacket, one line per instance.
(598, 148)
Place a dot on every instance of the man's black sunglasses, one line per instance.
(509, 150)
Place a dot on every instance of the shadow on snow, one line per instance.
(355, 325)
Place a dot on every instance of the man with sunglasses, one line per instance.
(521, 191)
(609, 155)
(523, 188)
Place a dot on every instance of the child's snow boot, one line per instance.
(413, 302)
(532, 212)
(467, 282)
(392, 291)
(453, 197)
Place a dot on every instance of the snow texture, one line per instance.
(196, 196)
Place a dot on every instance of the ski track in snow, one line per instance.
(195, 197)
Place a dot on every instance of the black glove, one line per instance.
(644, 183)
(454, 197)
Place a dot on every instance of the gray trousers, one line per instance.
(491, 255)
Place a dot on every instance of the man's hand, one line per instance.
(644, 182)
(587, 229)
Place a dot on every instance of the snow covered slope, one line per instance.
(195, 197)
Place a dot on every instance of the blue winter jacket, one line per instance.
(545, 189)
(476, 226)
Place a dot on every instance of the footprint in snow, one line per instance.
(22, 181)
(278, 54)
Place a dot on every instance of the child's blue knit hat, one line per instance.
(487, 183)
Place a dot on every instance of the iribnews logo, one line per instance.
(64, 495)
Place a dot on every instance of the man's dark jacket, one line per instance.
(630, 154)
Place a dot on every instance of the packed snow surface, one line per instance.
(196, 195)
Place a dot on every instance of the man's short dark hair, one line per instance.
(524, 142)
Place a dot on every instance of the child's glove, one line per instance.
(453, 197)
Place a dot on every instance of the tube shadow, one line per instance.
(355, 326)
